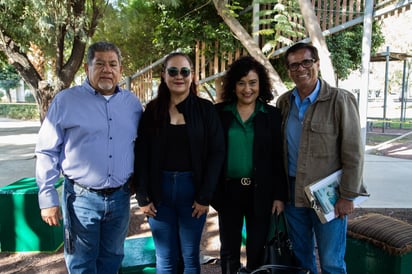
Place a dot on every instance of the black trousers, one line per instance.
(237, 207)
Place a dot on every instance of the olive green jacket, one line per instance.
(330, 140)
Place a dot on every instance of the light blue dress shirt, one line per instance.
(88, 138)
(295, 123)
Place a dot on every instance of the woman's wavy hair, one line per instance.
(241, 68)
(162, 100)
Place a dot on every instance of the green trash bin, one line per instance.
(21, 226)
(378, 244)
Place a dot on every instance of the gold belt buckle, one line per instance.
(245, 181)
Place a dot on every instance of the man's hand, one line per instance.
(343, 207)
(199, 210)
(51, 215)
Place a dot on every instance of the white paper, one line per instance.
(323, 195)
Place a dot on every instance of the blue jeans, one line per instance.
(95, 228)
(305, 227)
(175, 232)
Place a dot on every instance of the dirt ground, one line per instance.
(33, 263)
(53, 263)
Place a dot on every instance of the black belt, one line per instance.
(103, 191)
(245, 181)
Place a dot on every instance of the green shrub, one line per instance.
(23, 111)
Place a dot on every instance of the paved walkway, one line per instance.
(389, 180)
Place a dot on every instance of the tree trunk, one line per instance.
(251, 46)
(8, 95)
(318, 40)
(43, 92)
(44, 95)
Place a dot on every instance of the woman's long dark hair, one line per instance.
(160, 103)
(241, 68)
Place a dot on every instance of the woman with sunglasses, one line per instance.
(253, 183)
(179, 155)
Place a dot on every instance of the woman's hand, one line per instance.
(278, 206)
(149, 210)
(199, 210)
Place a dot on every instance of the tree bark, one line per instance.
(318, 40)
(250, 45)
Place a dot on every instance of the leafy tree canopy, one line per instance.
(130, 25)
(45, 41)
(9, 78)
(147, 30)
(346, 48)
(181, 27)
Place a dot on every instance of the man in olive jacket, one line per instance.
(321, 131)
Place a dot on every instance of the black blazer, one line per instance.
(268, 173)
(206, 146)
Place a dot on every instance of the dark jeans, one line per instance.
(175, 232)
(238, 206)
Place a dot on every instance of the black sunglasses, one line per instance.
(174, 71)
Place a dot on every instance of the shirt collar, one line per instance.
(312, 97)
(259, 107)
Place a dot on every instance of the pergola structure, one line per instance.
(387, 57)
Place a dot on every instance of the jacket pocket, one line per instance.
(324, 140)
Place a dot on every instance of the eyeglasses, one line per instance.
(307, 63)
(174, 71)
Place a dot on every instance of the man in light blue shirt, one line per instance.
(322, 134)
(88, 136)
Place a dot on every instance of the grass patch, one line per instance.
(373, 139)
(407, 124)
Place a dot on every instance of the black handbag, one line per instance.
(279, 257)
(280, 269)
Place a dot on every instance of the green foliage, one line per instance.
(43, 22)
(277, 26)
(346, 48)
(234, 7)
(8, 77)
(19, 111)
(130, 25)
(16, 21)
(195, 21)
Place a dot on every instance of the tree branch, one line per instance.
(247, 41)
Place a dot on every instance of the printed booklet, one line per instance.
(323, 195)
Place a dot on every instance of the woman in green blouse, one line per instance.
(252, 185)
